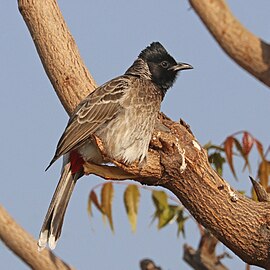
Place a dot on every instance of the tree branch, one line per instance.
(147, 264)
(260, 191)
(58, 51)
(246, 49)
(238, 222)
(205, 257)
(25, 246)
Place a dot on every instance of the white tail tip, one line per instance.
(42, 241)
(52, 242)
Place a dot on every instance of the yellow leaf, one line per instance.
(165, 217)
(264, 172)
(131, 200)
(160, 200)
(165, 213)
(106, 202)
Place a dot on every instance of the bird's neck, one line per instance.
(139, 69)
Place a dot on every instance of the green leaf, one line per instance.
(131, 200)
(217, 160)
(209, 146)
(181, 219)
(166, 216)
(106, 202)
(165, 213)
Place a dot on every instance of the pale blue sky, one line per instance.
(217, 98)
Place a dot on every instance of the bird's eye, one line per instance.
(165, 64)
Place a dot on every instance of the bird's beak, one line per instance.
(181, 66)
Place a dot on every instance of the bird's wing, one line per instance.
(100, 106)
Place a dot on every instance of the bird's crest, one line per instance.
(155, 52)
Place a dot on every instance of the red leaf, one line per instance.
(93, 198)
(241, 151)
(259, 148)
(247, 142)
(228, 147)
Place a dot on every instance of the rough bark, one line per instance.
(25, 246)
(246, 49)
(176, 160)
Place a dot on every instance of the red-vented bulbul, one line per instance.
(122, 113)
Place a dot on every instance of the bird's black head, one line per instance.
(162, 66)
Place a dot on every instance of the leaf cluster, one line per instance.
(165, 213)
(240, 144)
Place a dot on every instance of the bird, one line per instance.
(122, 113)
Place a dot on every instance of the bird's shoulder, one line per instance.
(109, 92)
(114, 87)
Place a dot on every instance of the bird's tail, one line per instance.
(52, 224)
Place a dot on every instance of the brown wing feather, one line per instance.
(99, 107)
